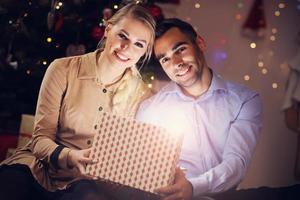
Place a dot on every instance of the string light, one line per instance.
(44, 62)
(197, 5)
(274, 30)
(246, 77)
(149, 85)
(28, 72)
(25, 14)
(116, 6)
(60, 3)
(277, 13)
(274, 85)
(272, 38)
(281, 5)
(10, 21)
(260, 64)
(152, 78)
(57, 7)
(264, 71)
(49, 39)
(253, 45)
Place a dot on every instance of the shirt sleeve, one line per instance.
(238, 151)
(47, 113)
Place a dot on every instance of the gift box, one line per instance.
(134, 154)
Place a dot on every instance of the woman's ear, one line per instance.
(201, 43)
(107, 29)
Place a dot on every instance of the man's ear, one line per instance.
(107, 29)
(201, 43)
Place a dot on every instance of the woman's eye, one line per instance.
(122, 36)
(164, 60)
(139, 45)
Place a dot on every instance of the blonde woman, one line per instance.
(74, 91)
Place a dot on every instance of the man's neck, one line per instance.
(201, 86)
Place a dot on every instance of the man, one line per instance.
(221, 121)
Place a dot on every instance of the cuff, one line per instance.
(59, 157)
(200, 185)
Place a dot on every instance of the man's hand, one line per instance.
(79, 159)
(181, 189)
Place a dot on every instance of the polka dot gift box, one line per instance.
(134, 154)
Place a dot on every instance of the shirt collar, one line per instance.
(217, 83)
(87, 68)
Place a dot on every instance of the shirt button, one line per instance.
(100, 108)
(89, 142)
(104, 90)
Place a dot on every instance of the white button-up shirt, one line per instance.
(220, 128)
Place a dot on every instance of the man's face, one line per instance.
(179, 58)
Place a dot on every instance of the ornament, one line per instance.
(59, 22)
(75, 50)
(97, 33)
(156, 12)
(107, 13)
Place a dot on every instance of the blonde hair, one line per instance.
(132, 89)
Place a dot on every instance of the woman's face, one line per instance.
(126, 42)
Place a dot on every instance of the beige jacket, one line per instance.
(68, 105)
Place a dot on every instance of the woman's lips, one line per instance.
(121, 57)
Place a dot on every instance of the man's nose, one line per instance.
(178, 61)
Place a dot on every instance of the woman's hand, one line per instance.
(79, 159)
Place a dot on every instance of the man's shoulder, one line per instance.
(240, 91)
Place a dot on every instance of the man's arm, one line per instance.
(238, 151)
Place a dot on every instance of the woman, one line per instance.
(73, 93)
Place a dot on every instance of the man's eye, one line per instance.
(139, 45)
(122, 36)
(181, 49)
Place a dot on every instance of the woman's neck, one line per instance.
(106, 72)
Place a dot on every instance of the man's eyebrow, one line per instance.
(178, 44)
(127, 34)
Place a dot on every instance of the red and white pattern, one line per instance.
(134, 154)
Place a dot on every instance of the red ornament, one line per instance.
(97, 33)
(156, 12)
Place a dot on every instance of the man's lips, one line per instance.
(121, 57)
(184, 71)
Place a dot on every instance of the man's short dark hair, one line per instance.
(163, 26)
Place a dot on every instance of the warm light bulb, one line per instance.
(197, 5)
(272, 38)
(49, 39)
(260, 64)
(152, 78)
(277, 13)
(281, 5)
(44, 62)
(253, 45)
(246, 77)
(116, 6)
(274, 85)
(264, 71)
(149, 85)
(274, 30)
(60, 3)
